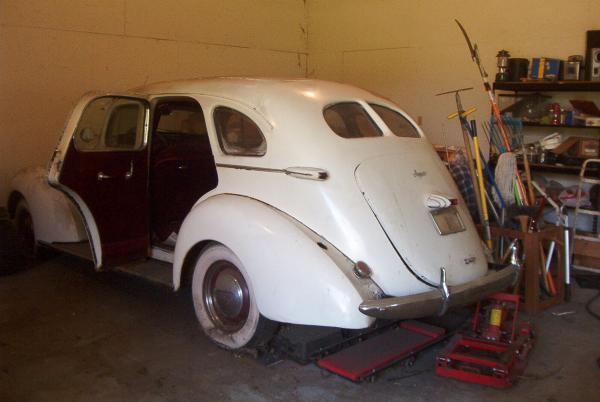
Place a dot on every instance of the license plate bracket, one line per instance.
(447, 220)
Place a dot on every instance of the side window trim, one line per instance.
(145, 124)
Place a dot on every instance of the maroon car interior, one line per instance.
(182, 166)
(121, 216)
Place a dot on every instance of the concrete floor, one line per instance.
(69, 334)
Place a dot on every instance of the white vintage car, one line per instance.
(278, 201)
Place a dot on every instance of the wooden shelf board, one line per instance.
(532, 124)
(549, 86)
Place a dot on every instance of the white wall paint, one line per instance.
(410, 50)
(52, 51)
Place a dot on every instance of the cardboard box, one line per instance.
(588, 121)
(588, 148)
(543, 68)
(588, 113)
(580, 147)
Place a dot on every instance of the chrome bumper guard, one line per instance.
(438, 301)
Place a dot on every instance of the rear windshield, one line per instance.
(350, 120)
(396, 122)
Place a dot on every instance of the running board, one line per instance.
(79, 249)
(366, 358)
(151, 270)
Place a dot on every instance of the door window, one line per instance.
(180, 119)
(112, 124)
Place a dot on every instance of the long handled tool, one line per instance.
(486, 218)
(471, 129)
(494, 104)
(478, 196)
(562, 219)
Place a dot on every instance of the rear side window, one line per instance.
(111, 124)
(350, 120)
(396, 122)
(238, 134)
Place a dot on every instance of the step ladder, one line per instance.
(579, 235)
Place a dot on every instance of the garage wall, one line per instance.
(52, 51)
(410, 50)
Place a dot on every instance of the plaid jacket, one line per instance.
(459, 169)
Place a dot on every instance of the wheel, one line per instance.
(224, 301)
(24, 225)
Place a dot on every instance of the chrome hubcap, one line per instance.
(226, 296)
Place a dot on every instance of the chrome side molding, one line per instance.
(309, 173)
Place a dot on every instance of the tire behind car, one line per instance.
(13, 257)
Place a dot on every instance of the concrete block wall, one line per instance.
(410, 50)
(52, 51)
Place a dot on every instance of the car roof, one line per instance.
(254, 91)
(292, 113)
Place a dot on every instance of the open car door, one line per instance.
(104, 170)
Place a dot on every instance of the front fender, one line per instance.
(295, 280)
(55, 219)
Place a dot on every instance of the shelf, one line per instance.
(564, 169)
(549, 86)
(532, 124)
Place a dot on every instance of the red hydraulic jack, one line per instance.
(495, 351)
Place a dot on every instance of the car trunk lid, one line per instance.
(405, 191)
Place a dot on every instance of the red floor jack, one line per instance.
(495, 351)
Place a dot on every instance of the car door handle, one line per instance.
(102, 176)
(182, 166)
(129, 174)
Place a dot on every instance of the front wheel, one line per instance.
(224, 301)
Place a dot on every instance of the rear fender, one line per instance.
(55, 218)
(297, 276)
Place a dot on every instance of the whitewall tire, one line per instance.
(224, 301)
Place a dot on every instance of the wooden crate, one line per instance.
(534, 298)
(586, 253)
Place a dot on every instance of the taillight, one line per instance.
(362, 270)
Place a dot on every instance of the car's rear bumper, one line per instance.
(432, 303)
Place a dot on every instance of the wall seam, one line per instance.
(156, 38)
(306, 34)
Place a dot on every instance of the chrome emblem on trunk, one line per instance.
(469, 260)
(419, 174)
